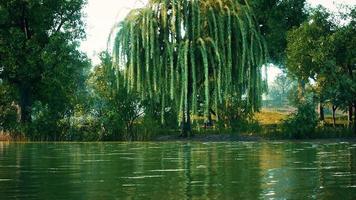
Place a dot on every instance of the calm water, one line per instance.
(178, 171)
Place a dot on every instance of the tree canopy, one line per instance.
(200, 54)
(39, 55)
(322, 50)
(175, 64)
(276, 18)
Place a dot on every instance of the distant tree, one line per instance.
(322, 50)
(279, 90)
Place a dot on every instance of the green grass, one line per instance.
(266, 117)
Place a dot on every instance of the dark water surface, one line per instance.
(241, 170)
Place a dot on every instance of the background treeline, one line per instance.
(320, 73)
(49, 89)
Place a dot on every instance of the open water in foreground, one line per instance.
(177, 170)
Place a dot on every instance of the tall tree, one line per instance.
(39, 54)
(279, 90)
(322, 50)
(203, 55)
(309, 48)
(345, 54)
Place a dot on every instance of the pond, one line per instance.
(178, 170)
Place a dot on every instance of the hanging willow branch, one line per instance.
(185, 50)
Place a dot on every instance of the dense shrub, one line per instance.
(8, 110)
(302, 123)
(238, 117)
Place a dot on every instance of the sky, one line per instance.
(102, 15)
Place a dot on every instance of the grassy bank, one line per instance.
(267, 126)
(271, 123)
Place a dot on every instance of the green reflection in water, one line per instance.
(242, 170)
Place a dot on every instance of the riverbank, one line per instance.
(268, 127)
(211, 138)
(5, 137)
(266, 133)
(207, 138)
(235, 138)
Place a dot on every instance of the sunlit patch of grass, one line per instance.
(266, 117)
(340, 120)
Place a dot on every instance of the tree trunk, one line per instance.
(350, 115)
(301, 90)
(186, 126)
(321, 112)
(189, 124)
(25, 104)
(208, 123)
(349, 67)
(334, 115)
(355, 117)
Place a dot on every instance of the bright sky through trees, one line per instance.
(103, 14)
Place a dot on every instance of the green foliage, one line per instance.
(276, 18)
(173, 59)
(322, 50)
(280, 90)
(40, 60)
(8, 110)
(83, 125)
(344, 40)
(147, 128)
(308, 46)
(188, 49)
(237, 118)
(46, 124)
(114, 109)
(301, 124)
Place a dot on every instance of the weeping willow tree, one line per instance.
(199, 54)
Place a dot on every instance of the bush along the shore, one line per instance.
(302, 123)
